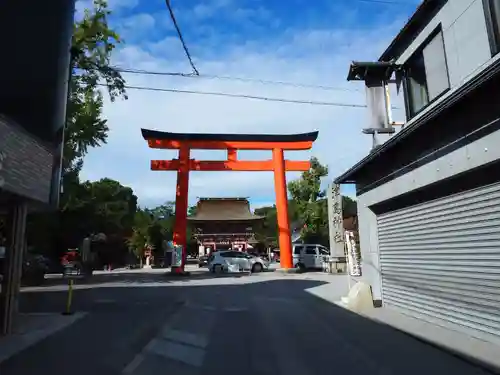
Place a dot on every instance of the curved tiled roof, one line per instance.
(223, 209)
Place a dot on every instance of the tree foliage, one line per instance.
(87, 207)
(308, 209)
(267, 233)
(151, 227)
(92, 45)
(103, 206)
(307, 195)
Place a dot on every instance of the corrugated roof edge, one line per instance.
(488, 73)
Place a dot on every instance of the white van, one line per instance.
(309, 256)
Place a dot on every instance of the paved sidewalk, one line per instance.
(474, 349)
(29, 329)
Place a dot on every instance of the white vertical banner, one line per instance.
(354, 266)
(335, 221)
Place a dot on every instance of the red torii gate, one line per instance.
(185, 142)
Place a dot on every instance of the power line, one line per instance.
(174, 21)
(243, 96)
(229, 78)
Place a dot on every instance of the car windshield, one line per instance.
(324, 251)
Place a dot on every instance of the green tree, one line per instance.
(267, 233)
(103, 206)
(309, 200)
(161, 225)
(192, 210)
(92, 45)
(140, 236)
(349, 207)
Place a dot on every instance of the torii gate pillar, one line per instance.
(232, 143)
(181, 205)
(284, 235)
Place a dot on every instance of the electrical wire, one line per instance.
(229, 78)
(181, 38)
(243, 96)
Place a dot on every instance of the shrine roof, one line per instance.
(223, 209)
(224, 137)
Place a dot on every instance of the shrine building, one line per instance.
(224, 223)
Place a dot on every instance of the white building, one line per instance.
(429, 197)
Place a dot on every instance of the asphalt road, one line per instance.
(253, 325)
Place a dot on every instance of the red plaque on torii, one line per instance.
(185, 142)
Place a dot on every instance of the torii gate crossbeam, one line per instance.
(232, 143)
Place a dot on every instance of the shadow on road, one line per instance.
(122, 320)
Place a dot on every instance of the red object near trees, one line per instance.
(70, 256)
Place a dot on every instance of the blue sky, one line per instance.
(308, 42)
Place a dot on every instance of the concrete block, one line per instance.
(359, 298)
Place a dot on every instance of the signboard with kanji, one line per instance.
(177, 256)
(335, 221)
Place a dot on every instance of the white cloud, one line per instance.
(114, 5)
(137, 24)
(310, 56)
(118, 4)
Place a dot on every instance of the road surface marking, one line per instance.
(132, 366)
(185, 338)
(234, 309)
(183, 353)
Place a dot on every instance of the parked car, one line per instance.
(203, 261)
(309, 256)
(224, 261)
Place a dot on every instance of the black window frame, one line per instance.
(406, 81)
(492, 25)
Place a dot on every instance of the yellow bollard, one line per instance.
(69, 299)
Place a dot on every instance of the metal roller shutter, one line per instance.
(441, 259)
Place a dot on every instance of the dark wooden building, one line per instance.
(224, 223)
(32, 119)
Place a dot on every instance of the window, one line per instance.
(323, 250)
(426, 74)
(297, 250)
(492, 10)
(310, 250)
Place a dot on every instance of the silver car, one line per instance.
(309, 256)
(235, 261)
